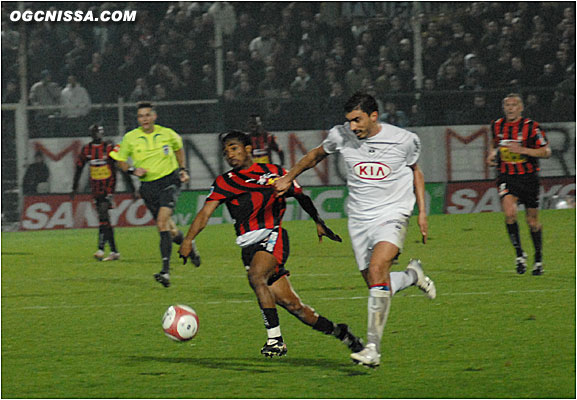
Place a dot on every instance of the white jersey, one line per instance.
(379, 179)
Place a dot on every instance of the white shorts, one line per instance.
(365, 235)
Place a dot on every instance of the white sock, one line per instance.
(379, 305)
(401, 280)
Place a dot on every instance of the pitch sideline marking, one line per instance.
(252, 301)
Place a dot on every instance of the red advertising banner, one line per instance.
(482, 196)
(64, 212)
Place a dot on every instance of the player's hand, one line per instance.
(491, 159)
(423, 226)
(324, 230)
(183, 175)
(515, 147)
(188, 250)
(282, 185)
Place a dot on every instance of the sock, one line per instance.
(165, 250)
(378, 306)
(101, 236)
(324, 325)
(110, 238)
(538, 243)
(402, 280)
(271, 323)
(513, 230)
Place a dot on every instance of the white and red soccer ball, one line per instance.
(180, 323)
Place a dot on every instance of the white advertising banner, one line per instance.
(449, 154)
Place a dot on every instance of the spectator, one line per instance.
(393, 116)
(302, 85)
(354, 76)
(36, 177)
(11, 94)
(97, 78)
(207, 83)
(478, 112)
(516, 76)
(264, 43)
(534, 108)
(75, 99)
(45, 93)
(140, 91)
(159, 93)
(269, 86)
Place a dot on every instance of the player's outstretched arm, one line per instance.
(188, 247)
(312, 158)
(322, 229)
(419, 182)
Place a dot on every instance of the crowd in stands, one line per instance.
(308, 50)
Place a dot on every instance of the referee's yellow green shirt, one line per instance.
(152, 151)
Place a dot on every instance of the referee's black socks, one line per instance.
(165, 250)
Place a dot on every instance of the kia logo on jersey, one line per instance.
(374, 171)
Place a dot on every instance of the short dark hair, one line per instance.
(144, 104)
(361, 101)
(235, 135)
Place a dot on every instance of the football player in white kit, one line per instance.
(384, 181)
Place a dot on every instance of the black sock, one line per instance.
(110, 238)
(324, 325)
(101, 236)
(165, 250)
(538, 243)
(270, 317)
(513, 230)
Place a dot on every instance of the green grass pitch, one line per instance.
(76, 328)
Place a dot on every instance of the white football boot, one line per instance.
(367, 356)
(99, 255)
(112, 256)
(423, 281)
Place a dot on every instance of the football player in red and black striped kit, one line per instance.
(250, 198)
(517, 145)
(263, 143)
(102, 177)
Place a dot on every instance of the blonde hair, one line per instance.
(517, 95)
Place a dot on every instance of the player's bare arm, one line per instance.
(311, 159)
(125, 167)
(322, 229)
(492, 156)
(419, 182)
(542, 152)
(182, 172)
(188, 247)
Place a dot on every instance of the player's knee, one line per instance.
(294, 306)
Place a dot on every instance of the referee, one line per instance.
(158, 161)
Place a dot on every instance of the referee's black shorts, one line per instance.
(524, 187)
(162, 192)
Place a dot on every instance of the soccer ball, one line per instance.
(180, 323)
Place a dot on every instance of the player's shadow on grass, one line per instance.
(264, 366)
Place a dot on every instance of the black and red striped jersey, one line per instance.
(250, 196)
(102, 172)
(262, 147)
(524, 131)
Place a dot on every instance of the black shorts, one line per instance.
(162, 192)
(277, 244)
(103, 198)
(524, 187)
